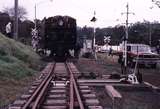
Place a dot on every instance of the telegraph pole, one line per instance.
(16, 20)
(126, 38)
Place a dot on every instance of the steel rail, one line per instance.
(71, 105)
(81, 105)
(27, 104)
(41, 94)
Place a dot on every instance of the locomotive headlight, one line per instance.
(60, 22)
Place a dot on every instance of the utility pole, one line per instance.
(126, 38)
(16, 20)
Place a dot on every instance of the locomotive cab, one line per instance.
(60, 36)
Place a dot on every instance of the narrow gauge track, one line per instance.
(57, 88)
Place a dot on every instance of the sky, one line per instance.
(108, 12)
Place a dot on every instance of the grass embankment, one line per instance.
(18, 65)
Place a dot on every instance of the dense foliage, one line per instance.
(25, 27)
(139, 32)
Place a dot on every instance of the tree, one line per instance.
(25, 33)
(4, 19)
(139, 32)
(157, 2)
(118, 33)
(86, 32)
(21, 12)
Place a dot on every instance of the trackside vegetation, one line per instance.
(18, 66)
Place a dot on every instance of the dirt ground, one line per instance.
(140, 99)
(131, 99)
(103, 66)
(11, 89)
(107, 65)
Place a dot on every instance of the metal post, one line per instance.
(150, 34)
(93, 39)
(94, 42)
(16, 20)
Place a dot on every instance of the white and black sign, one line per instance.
(107, 39)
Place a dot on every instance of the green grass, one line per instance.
(19, 65)
(17, 60)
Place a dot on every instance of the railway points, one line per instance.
(59, 87)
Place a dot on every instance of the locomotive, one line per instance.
(59, 36)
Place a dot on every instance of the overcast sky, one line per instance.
(107, 11)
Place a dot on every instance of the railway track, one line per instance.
(57, 88)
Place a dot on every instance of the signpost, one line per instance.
(94, 19)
